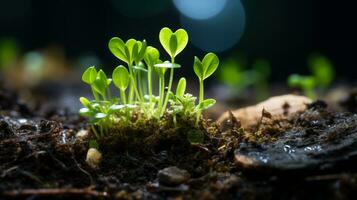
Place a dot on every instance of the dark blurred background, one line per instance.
(283, 32)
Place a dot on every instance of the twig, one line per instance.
(56, 191)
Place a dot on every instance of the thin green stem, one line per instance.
(150, 85)
(201, 97)
(95, 131)
(168, 88)
(132, 86)
(95, 94)
(161, 93)
(198, 117)
(140, 83)
(109, 93)
(123, 96)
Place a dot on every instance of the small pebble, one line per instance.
(173, 176)
(94, 158)
(82, 134)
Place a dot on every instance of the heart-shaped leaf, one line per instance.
(121, 77)
(173, 43)
(205, 104)
(117, 47)
(181, 87)
(152, 55)
(207, 67)
(89, 75)
(210, 63)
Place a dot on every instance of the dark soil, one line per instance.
(41, 158)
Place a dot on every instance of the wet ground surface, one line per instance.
(311, 155)
(319, 140)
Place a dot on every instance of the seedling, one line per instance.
(136, 94)
(234, 75)
(306, 83)
(322, 76)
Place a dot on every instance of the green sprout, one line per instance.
(234, 75)
(322, 76)
(306, 83)
(135, 85)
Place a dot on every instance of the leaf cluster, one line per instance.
(133, 79)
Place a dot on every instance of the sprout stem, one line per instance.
(123, 96)
(201, 97)
(168, 88)
(95, 94)
(133, 87)
(150, 84)
(140, 85)
(161, 93)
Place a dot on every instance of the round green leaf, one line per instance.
(205, 104)
(85, 102)
(89, 75)
(121, 77)
(151, 56)
(117, 47)
(167, 64)
(181, 87)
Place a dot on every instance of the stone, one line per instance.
(173, 176)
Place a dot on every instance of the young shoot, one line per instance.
(306, 83)
(204, 69)
(322, 76)
(134, 82)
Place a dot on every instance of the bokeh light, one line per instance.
(220, 32)
(200, 9)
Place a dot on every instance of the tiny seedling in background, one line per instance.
(234, 75)
(306, 83)
(322, 76)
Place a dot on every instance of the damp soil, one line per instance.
(309, 155)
